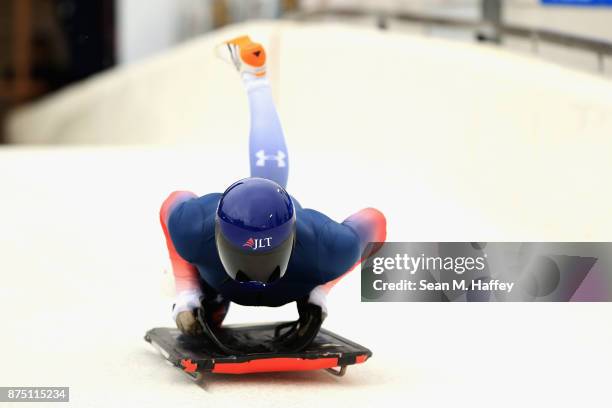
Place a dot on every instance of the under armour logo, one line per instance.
(262, 157)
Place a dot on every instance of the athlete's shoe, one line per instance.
(247, 56)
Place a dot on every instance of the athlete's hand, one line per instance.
(184, 312)
(311, 314)
(313, 311)
(318, 297)
(188, 324)
(303, 331)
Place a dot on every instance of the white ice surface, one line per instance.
(85, 274)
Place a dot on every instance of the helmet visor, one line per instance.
(253, 262)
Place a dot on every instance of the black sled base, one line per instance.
(197, 355)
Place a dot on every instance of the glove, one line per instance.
(318, 297)
(188, 324)
(184, 312)
(311, 315)
(306, 328)
(301, 333)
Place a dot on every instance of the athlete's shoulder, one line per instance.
(312, 218)
(337, 245)
(208, 203)
(191, 223)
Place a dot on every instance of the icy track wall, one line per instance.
(326, 77)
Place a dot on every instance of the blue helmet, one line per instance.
(255, 230)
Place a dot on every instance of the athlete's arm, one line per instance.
(188, 291)
(370, 225)
(344, 244)
(185, 274)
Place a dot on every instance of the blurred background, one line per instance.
(46, 45)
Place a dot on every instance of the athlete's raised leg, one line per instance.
(267, 148)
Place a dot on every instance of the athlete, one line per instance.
(254, 244)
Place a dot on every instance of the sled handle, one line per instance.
(208, 331)
(299, 336)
